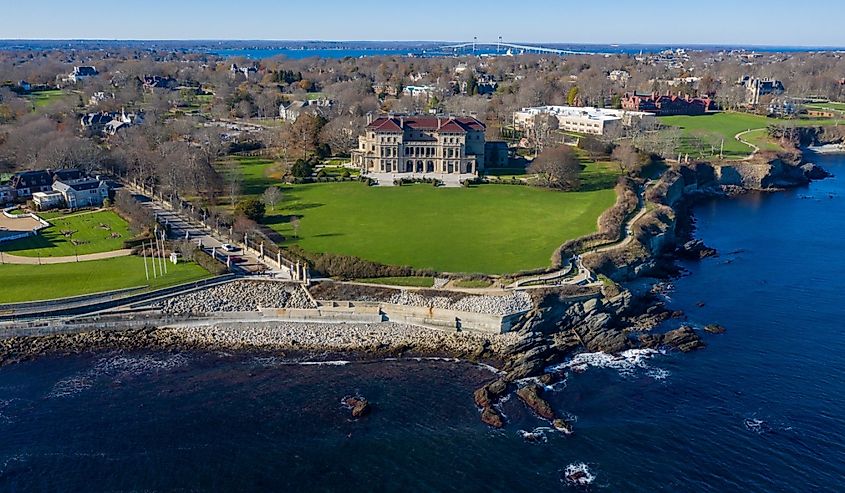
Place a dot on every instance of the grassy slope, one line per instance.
(491, 228)
(40, 282)
(713, 127)
(92, 238)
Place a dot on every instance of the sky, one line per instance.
(734, 22)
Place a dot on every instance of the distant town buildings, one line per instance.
(584, 120)
(756, 88)
(619, 76)
(663, 105)
(419, 91)
(293, 110)
(421, 144)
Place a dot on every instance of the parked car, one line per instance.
(229, 247)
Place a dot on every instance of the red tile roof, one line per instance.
(431, 123)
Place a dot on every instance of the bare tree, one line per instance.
(271, 197)
(557, 167)
(628, 157)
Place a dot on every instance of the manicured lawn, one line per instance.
(703, 134)
(20, 283)
(828, 106)
(493, 229)
(413, 282)
(45, 98)
(80, 233)
(470, 284)
(257, 173)
(712, 128)
(761, 139)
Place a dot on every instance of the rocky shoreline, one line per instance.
(554, 329)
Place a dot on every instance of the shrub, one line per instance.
(252, 209)
(302, 169)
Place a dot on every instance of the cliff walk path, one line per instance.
(6, 258)
(755, 148)
(583, 275)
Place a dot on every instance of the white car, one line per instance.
(229, 247)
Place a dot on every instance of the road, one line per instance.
(182, 227)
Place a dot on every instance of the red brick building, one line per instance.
(667, 104)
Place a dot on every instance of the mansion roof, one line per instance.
(426, 123)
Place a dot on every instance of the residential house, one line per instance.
(79, 74)
(85, 192)
(45, 201)
(245, 71)
(666, 104)
(99, 97)
(419, 91)
(153, 82)
(28, 182)
(756, 88)
(291, 111)
(7, 194)
(109, 123)
(386, 89)
(25, 86)
(619, 76)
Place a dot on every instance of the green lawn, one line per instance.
(761, 139)
(413, 282)
(80, 233)
(703, 133)
(45, 98)
(256, 173)
(493, 229)
(470, 284)
(20, 283)
(828, 106)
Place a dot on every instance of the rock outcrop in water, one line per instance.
(358, 406)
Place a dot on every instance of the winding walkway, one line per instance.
(6, 258)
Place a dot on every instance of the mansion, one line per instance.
(421, 144)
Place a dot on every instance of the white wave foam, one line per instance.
(578, 474)
(628, 364)
(757, 426)
(116, 368)
(324, 363)
(537, 435)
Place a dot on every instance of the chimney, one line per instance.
(369, 117)
(402, 122)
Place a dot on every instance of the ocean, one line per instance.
(758, 410)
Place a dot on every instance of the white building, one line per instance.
(419, 91)
(584, 120)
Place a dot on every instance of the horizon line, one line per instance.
(537, 43)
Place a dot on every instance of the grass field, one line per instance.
(45, 98)
(493, 229)
(761, 139)
(413, 282)
(42, 282)
(82, 233)
(703, 132)
(828, 106)
(256, 173)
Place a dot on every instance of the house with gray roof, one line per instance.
(85, 192)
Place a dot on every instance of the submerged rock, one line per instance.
(695, 250)
(562, 426)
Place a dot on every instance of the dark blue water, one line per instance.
(761, 409)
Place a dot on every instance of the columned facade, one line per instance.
(421, 145)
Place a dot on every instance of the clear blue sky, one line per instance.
(764, 22)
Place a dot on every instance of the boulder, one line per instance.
(695, 250)
(684, 339)
(492, 417)
(562, 426)
(358, 405)
(530, 396)
(815, 172)
(715, 329)
(482, 398)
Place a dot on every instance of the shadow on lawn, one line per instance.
(39, 241)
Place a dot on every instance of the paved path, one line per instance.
(183, 227)
(749, 144)
(6, 258)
